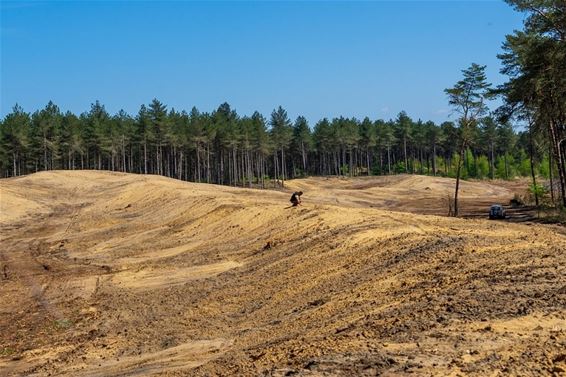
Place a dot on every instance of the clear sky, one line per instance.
(317, 59)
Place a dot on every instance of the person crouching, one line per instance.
(296, 198)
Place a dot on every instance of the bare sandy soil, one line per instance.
(407, 193)
(107, 274)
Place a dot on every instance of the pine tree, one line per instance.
(157, 114)
(403, 127)
(468, 98)
(302, 142)
(281, 133)
(368, 141)
(14, 141)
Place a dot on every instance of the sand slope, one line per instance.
(410, 193)
(108, 274)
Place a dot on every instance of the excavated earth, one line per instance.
(109, 274)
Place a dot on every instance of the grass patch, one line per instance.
(6, 351)
(62, 323)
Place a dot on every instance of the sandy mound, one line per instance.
(107, 274)
(408, 193)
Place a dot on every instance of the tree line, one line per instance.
(224, 148)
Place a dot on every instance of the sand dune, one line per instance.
(117, 274)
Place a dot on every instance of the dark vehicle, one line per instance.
(496, 212)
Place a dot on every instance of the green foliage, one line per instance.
(14, 140)
(223, 147)
(399, 168)
(281, 129)
(6, 351)
(534, 60)
(62, 323)
(538, 190)
(468, 98)
(544, 167)
(523, 164)
(482, 167)
(504, 167)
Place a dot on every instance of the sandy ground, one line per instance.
(108, 274)
(407, 193)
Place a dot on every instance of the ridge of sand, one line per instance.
(168, 276)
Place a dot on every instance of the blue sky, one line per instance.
(317, 59)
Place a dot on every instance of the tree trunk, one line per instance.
(492, 162)
(405, 154)
(367, 160)
(350, 164)
(180, 165)
(236, 173)
(506, 168)
(131, 159)
(198, 163)
(123, 155)
(221, 177)
(283, 169)
(275, 163)
(207, 162)
(304, 158)
(45, 167)
(421, 171)
(145, 156)
(550, 174)
(535, 188)
(458, 170)
(559, 161)
(434, 159)
(15, 172)
(388, 159)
